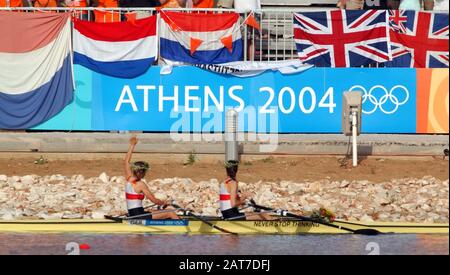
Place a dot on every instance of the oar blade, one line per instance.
(189, 213)
(212, 225)
(367, 231)
(117, 219)
(225, 231)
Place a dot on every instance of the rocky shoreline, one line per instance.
(424, 200)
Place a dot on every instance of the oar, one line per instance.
(250, 214)
(118, 218)
(189, 213)
(126, 213)
(288, 214)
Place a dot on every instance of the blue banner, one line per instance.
(194, 100)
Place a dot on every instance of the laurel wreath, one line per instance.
(324, 214)
(229, 164)
(141, 166)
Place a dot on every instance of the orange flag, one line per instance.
(195, 43)
(227, 41)
(131, 17)
(106, 16)
(251, 21)
(174, 26)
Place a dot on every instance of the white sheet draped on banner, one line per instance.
(246, 68)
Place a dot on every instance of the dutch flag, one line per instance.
(200, 38)
(36, 80)
(118, 49)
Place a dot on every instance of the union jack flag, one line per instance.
(418, 39)
(342, 38)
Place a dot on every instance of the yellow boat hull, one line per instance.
(288, 227)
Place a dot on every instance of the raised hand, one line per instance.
(133, 140)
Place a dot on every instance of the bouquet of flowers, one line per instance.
(323, 214)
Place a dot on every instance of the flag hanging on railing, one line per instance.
(36, 80)
(342, 38)
(119, 49)
(200, 38)
(418, 39)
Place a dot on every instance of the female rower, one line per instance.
(136, 190)
(230, 199)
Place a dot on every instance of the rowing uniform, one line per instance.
(227, 210)
(134, 202)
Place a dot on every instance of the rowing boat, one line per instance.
(191, 226)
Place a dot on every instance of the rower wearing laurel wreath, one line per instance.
(230, 199)
(136, 190)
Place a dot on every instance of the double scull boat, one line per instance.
(189, 225)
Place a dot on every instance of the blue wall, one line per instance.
(390, 101)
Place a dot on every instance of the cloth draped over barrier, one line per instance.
(36, 79)
(418, 39)
(200, 38)
(246, 68)
(250, 68)
(121, 49)
(341, 38)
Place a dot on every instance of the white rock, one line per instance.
(209, 211)
(3, 197)
(68, 194)
(27, 180)
(98, 214)
(56, 178)
(18, 185)
(79, 178)
(13, 179)
(33, 197)
(101, 194)
(409, 206)
(366, 218)
(72, 216)
(106, 208)
(433, 216)
(434, 193)
(3, 178)
(7, 216)
(381, 198)
(344, 184)
(53, 216)
(103, 177)
(364, 182)
(426, 207)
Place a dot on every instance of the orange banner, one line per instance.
(432, 101)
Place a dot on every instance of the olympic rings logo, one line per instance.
(387, 96)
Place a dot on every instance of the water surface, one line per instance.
(22, 243)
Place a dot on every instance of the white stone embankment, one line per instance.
(57, 196)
